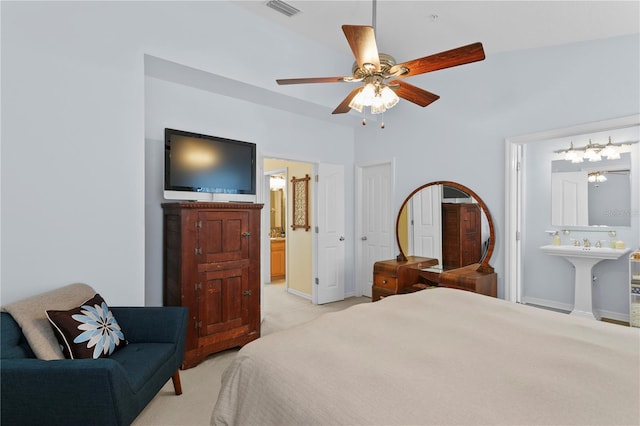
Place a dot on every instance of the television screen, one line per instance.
(200, 164)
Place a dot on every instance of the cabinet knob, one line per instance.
(384, 281)
(364, 238)
(246, 234)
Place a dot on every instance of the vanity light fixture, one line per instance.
(573, 155)
(276, 183)
(592, 152)
(610, 151)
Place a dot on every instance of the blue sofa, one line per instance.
(105, 391)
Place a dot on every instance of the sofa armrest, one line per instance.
(37, 392)
(166, 324)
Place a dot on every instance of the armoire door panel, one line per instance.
(222, 299)
(223, 236)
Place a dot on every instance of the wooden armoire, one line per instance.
(212, 266)
(461, 234)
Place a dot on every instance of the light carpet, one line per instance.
(201, 384)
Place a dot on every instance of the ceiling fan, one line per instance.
(382, 76)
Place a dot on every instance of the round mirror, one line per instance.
(446, 221)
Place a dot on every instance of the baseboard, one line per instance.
(552, 304)
(600, 313)
(613, 315)
(299, 293)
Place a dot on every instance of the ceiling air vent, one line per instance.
(282, 7)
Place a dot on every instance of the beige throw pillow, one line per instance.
(30, 314)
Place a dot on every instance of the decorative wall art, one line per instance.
(300, 203)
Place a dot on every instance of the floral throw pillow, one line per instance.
(88, 331)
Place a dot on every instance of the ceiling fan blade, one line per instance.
(450, 58)
(362, 41)
(311, 80)
(413, 94)
(344, 105)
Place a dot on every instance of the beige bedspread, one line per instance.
(437, 357)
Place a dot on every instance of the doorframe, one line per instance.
(359, 167)
(514, 191)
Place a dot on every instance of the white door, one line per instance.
(569, 205)
(330, 266)
(426, 223)
(375, 221)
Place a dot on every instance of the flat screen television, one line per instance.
(208, 168)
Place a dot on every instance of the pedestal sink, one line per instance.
(583, 259)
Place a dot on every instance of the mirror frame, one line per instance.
(484, 263)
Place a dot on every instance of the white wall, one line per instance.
(73, 134)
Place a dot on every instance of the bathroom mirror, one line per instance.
(277, 184)
(435, 209)
(591, 194)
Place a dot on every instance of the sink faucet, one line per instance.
(587, 243)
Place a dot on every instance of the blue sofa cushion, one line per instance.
(141, 361)
(87, 331)
(14, 344)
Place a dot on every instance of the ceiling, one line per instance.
(413, 29)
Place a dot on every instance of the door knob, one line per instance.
(341, 238)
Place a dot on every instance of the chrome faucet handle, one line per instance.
(576, 242)
(587, 243)
(599, 244)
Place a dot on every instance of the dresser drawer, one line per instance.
(385, 281)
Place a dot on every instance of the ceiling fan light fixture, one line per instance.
(389, 97)
(377, 106)
(363, 98)
(596, 177)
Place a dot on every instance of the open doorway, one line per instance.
(518, 235)
(314, 248)
(277, 226)
(289, 253)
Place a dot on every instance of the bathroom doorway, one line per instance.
(288, 253)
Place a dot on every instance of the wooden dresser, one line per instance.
(461, 234)
(212, 266)
(406, 276)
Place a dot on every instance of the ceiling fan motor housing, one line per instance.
(386, 62)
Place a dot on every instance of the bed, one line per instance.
(438, 356)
